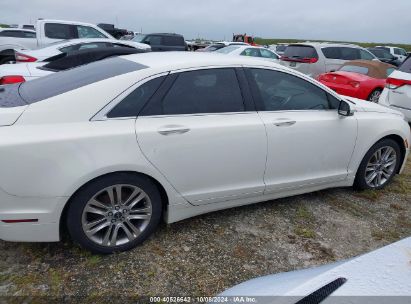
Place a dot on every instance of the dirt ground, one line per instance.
(209, 253)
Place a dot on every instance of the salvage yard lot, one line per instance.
(209, 253)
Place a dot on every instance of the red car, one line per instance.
(361, 79)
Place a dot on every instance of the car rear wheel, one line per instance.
(379, 165)
(114, 213)
(375, 95)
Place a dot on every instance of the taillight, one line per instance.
(24, 58)
(354, 84)
(302, 60)
(11, 79)
(394, 83)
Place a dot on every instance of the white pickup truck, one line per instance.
(47, 31)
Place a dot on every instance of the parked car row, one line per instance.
(199, 117)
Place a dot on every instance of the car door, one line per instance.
(202, 134)
(308, 142)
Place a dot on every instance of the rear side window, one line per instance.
(173, 40)
(135, 101)
(300, 52)
(58, 31)
(267, 54)
(251, 52)
(278, 91)
(88, 32)
(18, 34)
(62, 82)
(355, 69)
(406, 66)
(346, 53)
(204, 91)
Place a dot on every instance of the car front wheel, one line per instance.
(114, 213)
(379, 165)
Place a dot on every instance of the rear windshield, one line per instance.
(406, 65)
(62, 82)
(300, 51)
(354, 69)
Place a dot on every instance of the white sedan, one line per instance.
(110, 148)
(250, 51)
(30, 61)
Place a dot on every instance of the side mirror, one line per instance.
(344, 109)
(146, 42)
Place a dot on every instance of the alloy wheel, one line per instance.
(116, 215)
(380, 167)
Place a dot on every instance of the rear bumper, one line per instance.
(45, 211)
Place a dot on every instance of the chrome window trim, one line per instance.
(102, 114)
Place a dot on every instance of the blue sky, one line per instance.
(348, 20)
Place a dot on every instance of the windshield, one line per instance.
(354, 69)
(228, 49)
(138, 37)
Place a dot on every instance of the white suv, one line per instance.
(314, 59)
(397, 92)
(400, 53)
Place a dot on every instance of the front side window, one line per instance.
(204, 91)
(58, 31)
(251, 52)
(152, 40)
(365, 55)
(278, 91)
(355, 69)
(88, 32)
(131, 105)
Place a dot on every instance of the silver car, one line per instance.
(314, 59)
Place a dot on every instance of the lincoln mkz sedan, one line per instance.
(108, 149)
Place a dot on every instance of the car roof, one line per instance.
(376, 69)
(181, 60)
(325, 44)
(164, 34)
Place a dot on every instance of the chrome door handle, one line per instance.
(284, 123)
(170, 130)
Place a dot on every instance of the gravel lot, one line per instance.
(209, 253)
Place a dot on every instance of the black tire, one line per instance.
(79, 201)
(372, 97)
(360, 179)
